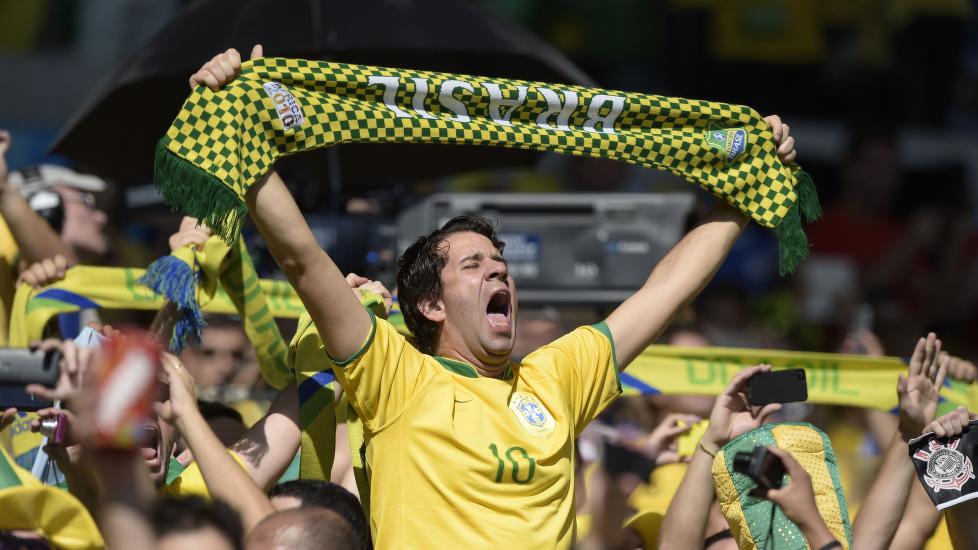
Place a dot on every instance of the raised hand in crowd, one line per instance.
(360, 284)
(962, 369)
(36, 240)
(684, 525)
(45, 272)
(733, 414)
(224, 478)
(74, 362)
(952, 423)
(961, 524)
(661, 445)
(783, 139)
(920, 390)
(190, 233)
(879, 520)
(796, 499)
(221, 69)
(71, 458)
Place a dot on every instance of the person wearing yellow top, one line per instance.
(25, 239)
(467, 449)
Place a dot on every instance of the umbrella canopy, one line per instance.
(114, 134)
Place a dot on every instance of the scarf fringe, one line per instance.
(792, 241)
(191, 190)
(176, 281)
(811, 210)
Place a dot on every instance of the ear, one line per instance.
(434, 311)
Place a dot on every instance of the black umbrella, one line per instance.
(115, 133)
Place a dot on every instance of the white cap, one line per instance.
(44, 176)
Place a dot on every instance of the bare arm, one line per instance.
(224, 479)
(920, 521)
(683, 273)
(34, 237)
(270, 445)
(125, 497)
(684, 525)
(342, 322)
(676, 280)
(880, 515)
(961, 525)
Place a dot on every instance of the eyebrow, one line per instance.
(479, 256)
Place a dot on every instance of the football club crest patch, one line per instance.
(533, 416)
(730, 142)
(947, 468)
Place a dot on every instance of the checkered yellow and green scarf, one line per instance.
(223, 142)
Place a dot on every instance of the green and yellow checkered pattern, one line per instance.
(235, 135)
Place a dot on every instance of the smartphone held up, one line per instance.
(782, 386)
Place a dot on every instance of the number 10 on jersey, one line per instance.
(515, 456)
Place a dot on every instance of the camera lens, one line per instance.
(48, 426)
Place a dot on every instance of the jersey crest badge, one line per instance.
(533, 416)
(947, 467)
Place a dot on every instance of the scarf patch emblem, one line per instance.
(947, 468)
(533, 416)
(730, 142)
(288, 109)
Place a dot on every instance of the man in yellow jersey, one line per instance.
(467, 449)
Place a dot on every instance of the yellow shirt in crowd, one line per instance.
(458, 460)
(8, 276)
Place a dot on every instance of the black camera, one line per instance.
(762, 466)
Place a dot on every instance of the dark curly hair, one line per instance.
(419, 274)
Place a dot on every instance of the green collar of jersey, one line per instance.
(464, 369)
(173, 470)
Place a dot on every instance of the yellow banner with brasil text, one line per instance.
(833, 379)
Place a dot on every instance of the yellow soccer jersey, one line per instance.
(461, 461)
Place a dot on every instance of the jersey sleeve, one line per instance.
(383, 377)
(191, 480)
(586, 368)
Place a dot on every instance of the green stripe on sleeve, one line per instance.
(602, 327)
(363, 349)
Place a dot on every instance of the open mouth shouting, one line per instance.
(152, 452)
(498, 311)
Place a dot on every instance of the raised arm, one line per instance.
(684, 525)
(35, 239)
(683, 273)
(341, 320)
(224, 479)
(269, 446)
(881, 513)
